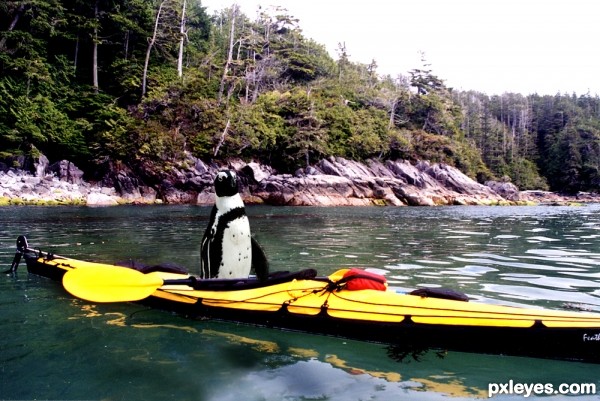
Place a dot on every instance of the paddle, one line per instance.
(121, 284)
(114, 284)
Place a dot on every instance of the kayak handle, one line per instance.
(21, 248)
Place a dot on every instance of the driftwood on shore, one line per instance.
(331, 182)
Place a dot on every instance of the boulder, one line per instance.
(329, 168)
(257, 172)
(41, 165)
(170, 193)
(66, 171)
(100, 199)
(507, 190)
(127, 185)
(205, 198)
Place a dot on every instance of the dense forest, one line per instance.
(138, 84)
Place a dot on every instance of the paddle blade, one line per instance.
(110, 284)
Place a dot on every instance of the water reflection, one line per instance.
(263, 365)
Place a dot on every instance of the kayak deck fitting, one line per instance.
(303, 301)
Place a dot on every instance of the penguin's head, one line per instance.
(226, 183)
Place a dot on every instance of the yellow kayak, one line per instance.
(326, 305)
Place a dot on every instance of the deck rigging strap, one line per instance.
(442, 293)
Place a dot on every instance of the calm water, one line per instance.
(55, 347)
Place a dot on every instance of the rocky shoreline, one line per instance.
(331, 182)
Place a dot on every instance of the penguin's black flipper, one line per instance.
(260, 264)
(206, 265)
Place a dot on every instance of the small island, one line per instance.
(121, 102)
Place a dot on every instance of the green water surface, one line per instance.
(55, 347)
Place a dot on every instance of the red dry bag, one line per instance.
(359, 279)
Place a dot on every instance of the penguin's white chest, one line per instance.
(237, 249)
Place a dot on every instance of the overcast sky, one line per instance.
(493, 46)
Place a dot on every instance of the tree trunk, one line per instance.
(222, 139)
(12, 25)
(151, 42)
(257, 81)
(126, 45)
(393, 104)
(95, 51)
(181, 41)
(234, 9)
(76, 56)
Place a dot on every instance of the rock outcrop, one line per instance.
(341, 182)
(18, 187)
(331, 182)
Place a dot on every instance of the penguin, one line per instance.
(228, 249)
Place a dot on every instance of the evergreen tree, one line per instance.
(72, 73)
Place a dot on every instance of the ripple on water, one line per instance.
(405, 266)
(551, 282)
(489, 256)
(577, 258)
(469, 233)
(528, 293)
(541, 239)
(470, 270)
